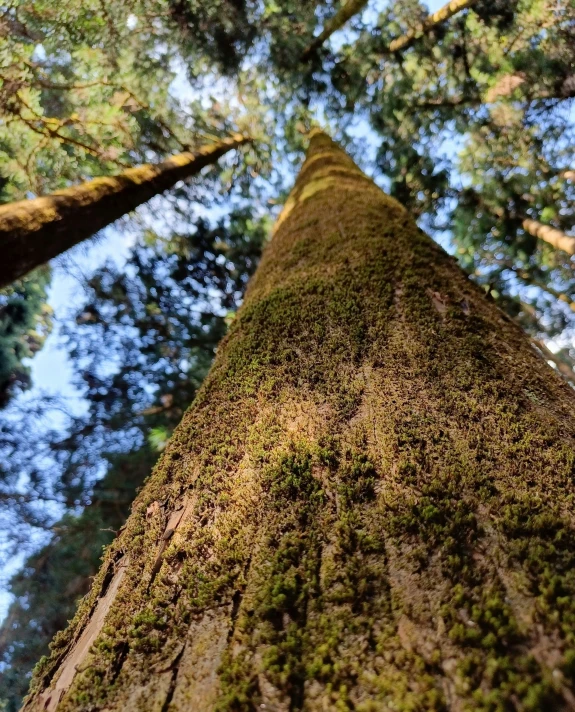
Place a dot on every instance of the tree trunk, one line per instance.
(528, 279)
(343, 15)
(367, 507)
(558, 239)
(35, 231)
(505, 87)
(431, 21)
(564, 369)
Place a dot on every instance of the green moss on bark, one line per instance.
(372, 494)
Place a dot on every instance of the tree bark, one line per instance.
(431, 21)
(342, 16)
(32, 232)
(505, 88)
(557, 238)
(368, 506)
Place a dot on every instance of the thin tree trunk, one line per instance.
(431, 21)
(503, 89)
(342, 16)
(557, 238)
(529, 280)
(32, 232)
(564, 369)
(368, 506)
(552, 236)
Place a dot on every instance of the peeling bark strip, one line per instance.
(32, 232)
(505, 86)
(377, 480)
(431, 21)
(175, 519)
(79, 652)
(550, 235)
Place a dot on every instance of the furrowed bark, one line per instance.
(32, 232)
(342, 16)
(436, 18)
(367, 507)
(556, 238)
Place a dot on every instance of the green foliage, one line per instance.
(25, 321)
(47, 589)
(223, 30)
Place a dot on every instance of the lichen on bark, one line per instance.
(369, 506)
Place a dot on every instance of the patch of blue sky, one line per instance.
(52, 373)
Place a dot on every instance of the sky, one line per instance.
(51, 370)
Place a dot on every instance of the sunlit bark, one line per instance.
(550, 235)
(343, 15)
(32, 232)
(431, 21)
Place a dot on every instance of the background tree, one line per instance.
(24, 324)
(34, 231)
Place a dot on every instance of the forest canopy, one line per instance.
(463, 112)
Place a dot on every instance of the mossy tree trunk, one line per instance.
(32, 232)
(369, 506)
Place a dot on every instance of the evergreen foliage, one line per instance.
(158, 320)
(24, 324)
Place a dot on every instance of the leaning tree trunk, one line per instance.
(556, 238)
(335, 23)
(35, 231)
(369, 506)
(433, 20)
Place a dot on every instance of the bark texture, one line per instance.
(556, 238)
(342, 16)
(436, 18)
(368, 507)
(32, 232)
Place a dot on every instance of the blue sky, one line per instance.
(51, 369)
